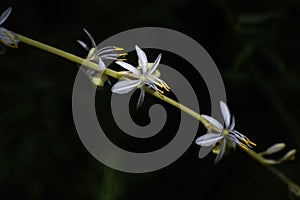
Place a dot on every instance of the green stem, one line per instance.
(292, 185)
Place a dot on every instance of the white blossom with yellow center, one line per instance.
(140, 77)
(224, 133)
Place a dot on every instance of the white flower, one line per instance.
(141, 76)
(98, 55)
(224, 134)
(7, 37)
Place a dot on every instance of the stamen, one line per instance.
(8, 34)
(244, 146)
(252, 143)
(123, 54)
(163, 85)
(244, 140)
(118, 48)
(159, 85)
(160, 91)
(121, 59)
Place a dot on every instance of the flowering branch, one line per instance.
(146, 77)
(293, 187)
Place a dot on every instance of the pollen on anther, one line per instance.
(8, 34)
(123, 54)
(118, 48)
(121, 59)
(244, 146)
(252, 143)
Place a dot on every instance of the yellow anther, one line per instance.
(165, 86)
(11, 37)
(161, 95)
(160, 91)
(247, 141)
(158, 84)
(121, 59)
(251, 143)
(123, 54)
(8, 34)
(118, 48)
(244, 146)
(244, 140)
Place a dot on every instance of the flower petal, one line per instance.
(232, 125)
(155, 65)
(129, 67)
(122, 87)
(143, 59)
(233, 140)
(209, 139)
(213, 122)
(90, 37)
(101, 65)
(141, 98)
(5, 15)
(84, 45)
(220, 155)
(225, 113)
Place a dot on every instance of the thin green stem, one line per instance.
(291, 185)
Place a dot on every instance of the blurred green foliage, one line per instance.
(255, 44)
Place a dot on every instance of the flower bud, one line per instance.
(289, 155)
(275, 148)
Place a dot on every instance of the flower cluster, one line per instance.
(7, 37)
(147, 75)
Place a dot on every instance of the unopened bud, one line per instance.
(275, 148)
(291, 155)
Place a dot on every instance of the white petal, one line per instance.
(233, 140)
(221, 153)
(141, 98)
(122, 87)
(90, 37)
(152, 85)
(225, 113)
(101, 65)
(84, 45)
(213, 121)
(209, 139)
(155, 65)
(129, 67)
(232, 125)
(237, 134)
(154, 80)
(143, 59)
(5, 15)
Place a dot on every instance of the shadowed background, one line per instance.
(255, 45)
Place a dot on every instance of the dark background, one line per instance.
(255, 45)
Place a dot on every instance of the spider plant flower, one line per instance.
(140, 77)
(7, 37)
(224, 133)
(97, 55)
